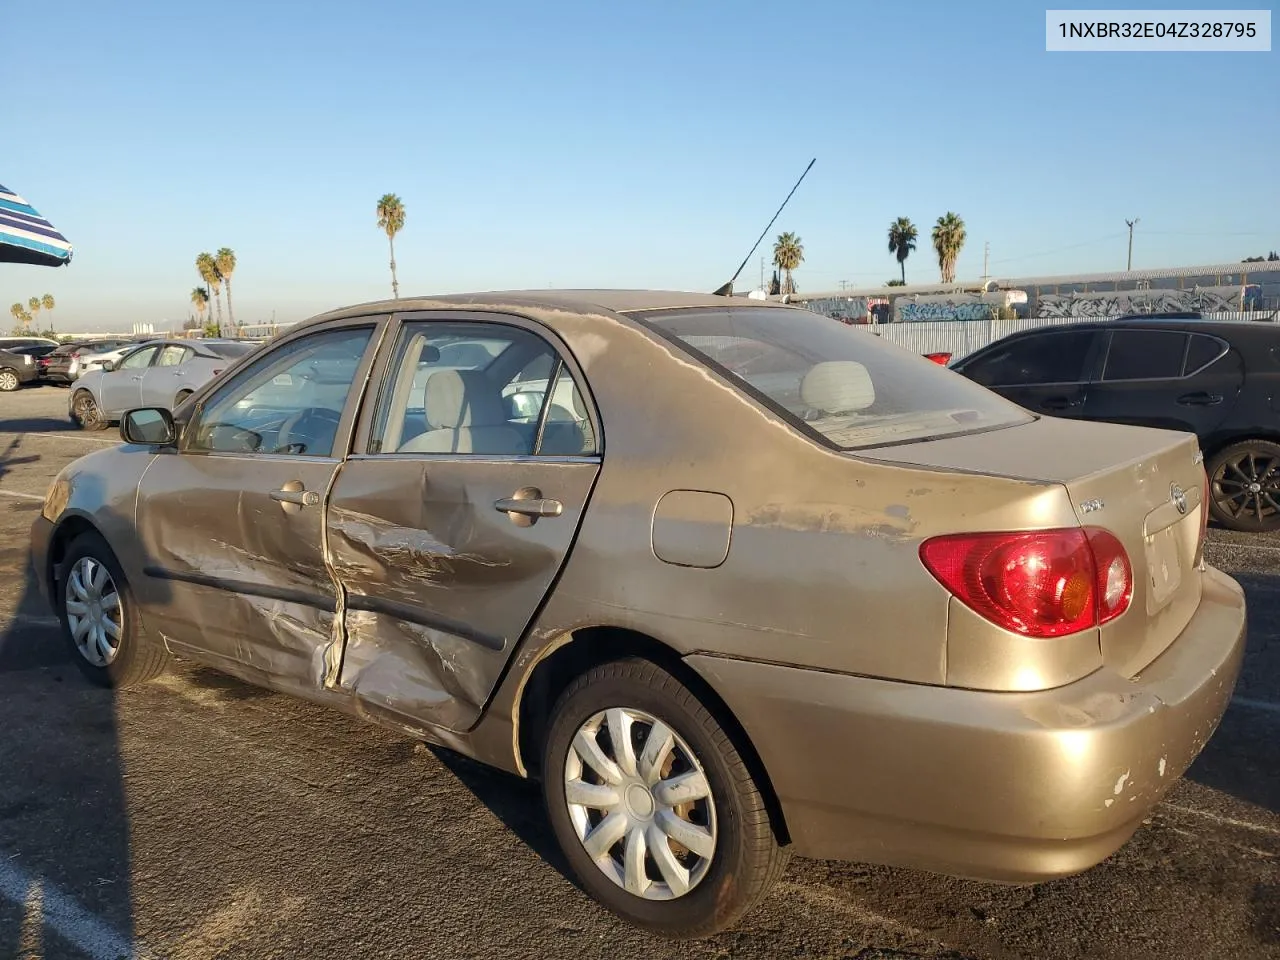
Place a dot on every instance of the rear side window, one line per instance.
(850, 388)
(1145, 355)
(1203, 351)
(1047, 358)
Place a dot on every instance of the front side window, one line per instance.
(848, 386)
(289, 402)
(139, 359)
(479, 388)
(1027, 361)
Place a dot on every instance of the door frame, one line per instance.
(365, 424)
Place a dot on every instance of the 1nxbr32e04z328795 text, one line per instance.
(1158, 30)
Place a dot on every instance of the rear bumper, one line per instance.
(1012, 787)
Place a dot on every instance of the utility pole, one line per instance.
(986, 256)
(762, 286)
(1130, 224)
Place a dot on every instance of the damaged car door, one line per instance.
(232, 520)
(455, 512)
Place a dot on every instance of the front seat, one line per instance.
(466, 416)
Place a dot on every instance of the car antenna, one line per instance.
(727, 289)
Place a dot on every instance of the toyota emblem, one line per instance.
(1179, 498)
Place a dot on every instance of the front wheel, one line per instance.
(100, 620)
(86, 413)
(9, 380)
(1244, 486)
(657, 813)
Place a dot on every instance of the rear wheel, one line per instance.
(9, 380)
(654, 807)
(1244, 486)
(100, 619)
(85, 411)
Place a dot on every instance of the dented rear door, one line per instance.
(450, 527)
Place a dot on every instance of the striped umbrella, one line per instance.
(27, 237)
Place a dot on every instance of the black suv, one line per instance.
(1217, 379)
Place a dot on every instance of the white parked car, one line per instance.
(160, 373)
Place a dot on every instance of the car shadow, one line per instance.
(65, 849)
(515, 801)
(20, 425)
(1243, 757)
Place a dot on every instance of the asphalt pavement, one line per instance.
(201, 818)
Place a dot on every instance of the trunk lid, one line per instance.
(1132, 481)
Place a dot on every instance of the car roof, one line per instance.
(570, 301)
(1221, 328)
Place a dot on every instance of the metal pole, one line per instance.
(1130, 224)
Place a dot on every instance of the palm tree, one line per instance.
(207, 267)
(225, 260)
(200, 300)
(391, 220)
(48, 303)
(902, 242)
(948, 239)
(788, 254)
(34, 305)
(17, 310)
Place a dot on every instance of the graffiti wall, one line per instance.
(1204, 299)
(936, 311)
(850, 309)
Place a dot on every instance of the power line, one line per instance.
(1049, 253)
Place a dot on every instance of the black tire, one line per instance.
(746, 860)
(139, 657)
(85, 413)
(9, 380)
(1233, 473)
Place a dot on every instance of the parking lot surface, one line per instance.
(202, 818)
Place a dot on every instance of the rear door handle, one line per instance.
(1200, 399)
(527, 505)
(1060, 403)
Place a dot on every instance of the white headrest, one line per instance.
(462, 398)
(838, 386)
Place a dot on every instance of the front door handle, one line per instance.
(1200, 399)
(1060, 403)
(527, 505)
(292, 497)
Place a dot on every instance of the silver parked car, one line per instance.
(160, 373)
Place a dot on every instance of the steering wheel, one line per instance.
(307, 416)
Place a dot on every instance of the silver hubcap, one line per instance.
(93, 611)
(8, 381)
(640, 804)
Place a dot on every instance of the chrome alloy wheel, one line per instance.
(94, 616)
(640, 804)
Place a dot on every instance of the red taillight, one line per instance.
(1043, 583)
(75, 356)
(218, 371)
(942, 358)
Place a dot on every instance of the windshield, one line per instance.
(843, 383)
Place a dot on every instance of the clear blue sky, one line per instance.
(602, 144)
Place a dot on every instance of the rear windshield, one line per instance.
(844, 384)
(229, 351)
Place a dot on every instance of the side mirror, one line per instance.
(148, 425)
(108, 365)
